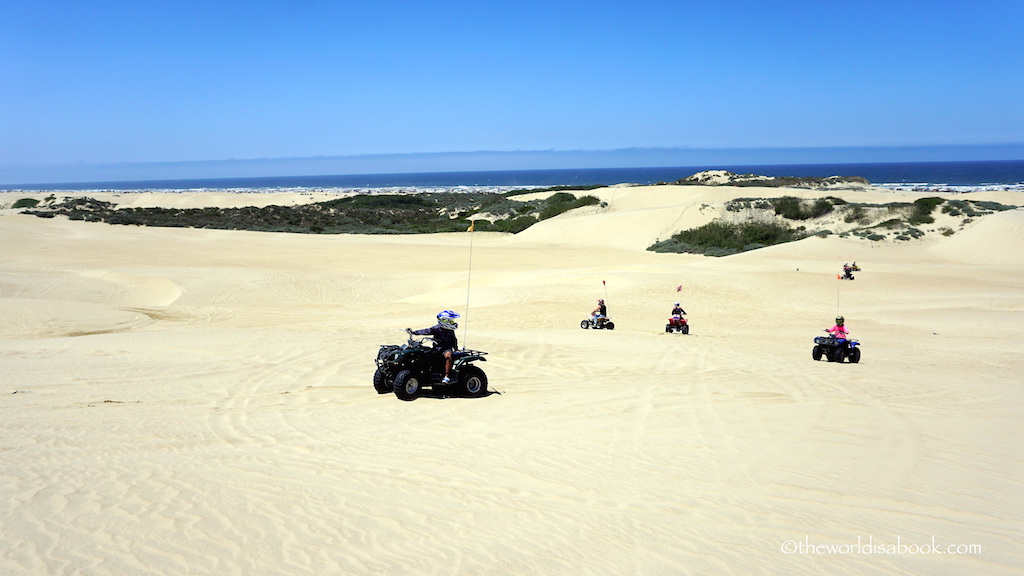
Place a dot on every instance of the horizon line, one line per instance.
(499, 160)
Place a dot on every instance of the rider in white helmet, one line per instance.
(444, 337)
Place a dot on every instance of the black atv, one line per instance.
(835, 349)
(408, 368)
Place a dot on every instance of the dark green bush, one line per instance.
(793, 208)
(718, 238)
(992, 206)
(26, 203)
(515, 225)
(923, 208)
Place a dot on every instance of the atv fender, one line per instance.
(462, 360)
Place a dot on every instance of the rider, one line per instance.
(600, 313)
(839, 331)
(678, 310)
(444, 337)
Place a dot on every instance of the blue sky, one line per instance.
(137, 84)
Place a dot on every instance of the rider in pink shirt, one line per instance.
(839, 330)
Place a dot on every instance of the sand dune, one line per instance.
(182, 401)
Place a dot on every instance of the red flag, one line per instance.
(603, 282)
(679, 288)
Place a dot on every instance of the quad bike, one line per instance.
(677, 324)
(835, 349)
(847, 274)
(409, 368)
(600, 323)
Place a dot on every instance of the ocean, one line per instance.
(956, 176)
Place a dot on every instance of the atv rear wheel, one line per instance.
(380, 382)
(407, 385)
(816, 353)
(838, 354)
(609, 325)
(855, 355)
(472, 381)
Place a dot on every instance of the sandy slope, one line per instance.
(199, 402)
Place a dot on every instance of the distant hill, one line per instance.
(726, 178)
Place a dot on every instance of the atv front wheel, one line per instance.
(380, 382)
(686, 328)
(407, 385)
(855, 355)
(473, 381)
(584, 324)
(816, 353)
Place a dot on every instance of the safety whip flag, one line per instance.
(679, 288)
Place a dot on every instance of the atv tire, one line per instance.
(816, 353)
(472, 382)
(686, 329)
(584, 324)
(668, 328)
(407, 385)
(838, 354)
(380, 382)
(609, 325)
(855, 355)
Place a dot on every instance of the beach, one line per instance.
(187, 401)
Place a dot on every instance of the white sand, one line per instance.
(181, 401)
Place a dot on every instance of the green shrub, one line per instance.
(992, 206)
(856, 213)
(793, 208)
(26, 203)
(923, 208)
(718, 238)
(515, 225)
(890, 224)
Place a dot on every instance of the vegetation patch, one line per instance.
(718, 238)
(923, 208)
(361, 214)
(25, 203)
(793, 208)
(584, 187)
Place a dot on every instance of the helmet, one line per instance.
(677, 303)
(446, 319)
(600, 301)
(840, 320)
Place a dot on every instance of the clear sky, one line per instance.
(108, 82)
